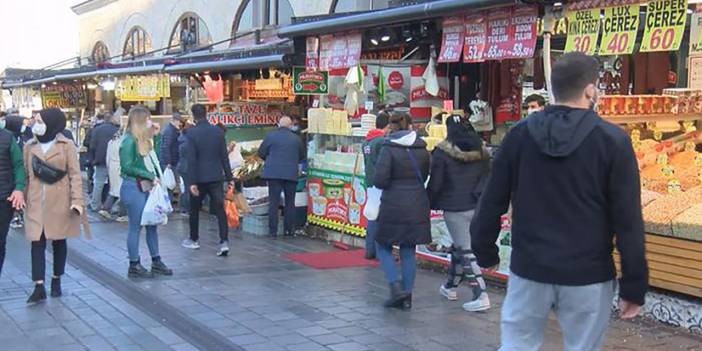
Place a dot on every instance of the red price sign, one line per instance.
(452, 40)
(524, 19)
(475, 37)
(498, 34)
(665, 25)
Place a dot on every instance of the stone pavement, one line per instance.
(255, 299)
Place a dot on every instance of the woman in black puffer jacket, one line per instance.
(459, 168)
(401, 171)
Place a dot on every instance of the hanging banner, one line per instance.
(452, 39)
(325, 43)
(312, 54)
(524, 20)
(354, 45)
(696, 32)
(619, 30)
(583, 30)
(665, 25)
(338, 52)
(310, 83)
(475, 37)
(499, 45)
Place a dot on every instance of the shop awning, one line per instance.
(378, 18)
(229, 64)
(144, 69)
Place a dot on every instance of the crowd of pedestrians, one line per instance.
(568, 178)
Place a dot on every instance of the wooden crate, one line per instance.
(674, 264)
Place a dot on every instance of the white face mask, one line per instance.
(23, 129)
(531, 110)
(3, 123)
(149, 124)
(39, 129)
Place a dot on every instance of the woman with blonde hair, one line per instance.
(54, 198)
(140, 172)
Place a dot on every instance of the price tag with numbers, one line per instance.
(619, 29)
(499, 45)
(475, 37)
(583, 30)
(524, 23)
(664, 25)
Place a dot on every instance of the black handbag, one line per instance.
(45, 172)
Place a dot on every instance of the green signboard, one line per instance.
(310, 82)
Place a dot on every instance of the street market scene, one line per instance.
(351, 175)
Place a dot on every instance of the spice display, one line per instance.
(658, 215)
(688, 225)
(648, 196)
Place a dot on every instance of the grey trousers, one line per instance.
(458, 225)
(582, 311)
(99, 181)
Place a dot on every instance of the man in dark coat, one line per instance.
(573, 182)
(12, 182)
(208, 168)
(371, 152)
(282, 150)
(101, 135)
(169, 155)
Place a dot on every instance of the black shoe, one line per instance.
(39, 295)
(289, 234)
(369, 255)
(160, 268)
(407, 303)
(397, 296)
(56, 287)
(136, 270)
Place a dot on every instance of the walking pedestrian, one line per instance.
(573, 182)
(282, 150)
(400, 172)
(182, 168)
(90, 170)
(140, 173)
(54, 198)
(12, 180)
(459, 168)
(371, 152)
(115, 181)
(169, 153)
(17, 125)
(208, 169)
(97, 154)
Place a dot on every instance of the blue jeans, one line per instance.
(135, 200)
(99, 180)
(407, 261)
(370, 237)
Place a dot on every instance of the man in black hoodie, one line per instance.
(573, 183)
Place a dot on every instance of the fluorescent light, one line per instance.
(385, 38)
(374, 41)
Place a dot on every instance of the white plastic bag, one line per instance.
(431, 81)
(169, 180)
(372, 203)
(182, 185)
(157, 207)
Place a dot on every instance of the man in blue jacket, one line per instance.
(100, 135)
(282, 150)
(208, 168)
(573, 182)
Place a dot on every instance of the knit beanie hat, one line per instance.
(55, 122)
(14, 124)
(461, 133)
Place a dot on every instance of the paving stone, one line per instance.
(289, 339)
(313, 331)
(329, 339)
(247, 339)
(353, 346)
(307, 347)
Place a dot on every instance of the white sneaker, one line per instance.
(105, 214)
(189, 244)
(122, 219)
(223, 249)
(482, 303)
(449, 293)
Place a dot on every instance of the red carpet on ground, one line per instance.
(332, 259)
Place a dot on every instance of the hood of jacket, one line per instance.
(374, 133)
(457, 154)
(405, 138)
(559, 130)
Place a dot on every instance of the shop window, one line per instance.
(138, 43)
(190, 33)
(344, 6)
(280, 12)
(257, 14)
(100, 53)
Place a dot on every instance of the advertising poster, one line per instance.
(664, 25)
(696, 32)
(336, 201)
(499, 43)
(421, 101)
(244, 115)
(312, 53)
(583, 30)
(143, 88)
(524, 21)
(325, 49)
(475, 37)
(619, 30)
(65, 95)
(452, 39)
(310, 83)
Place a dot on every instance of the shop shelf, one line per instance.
(624, 119)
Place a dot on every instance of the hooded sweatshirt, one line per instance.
(371, 152)
(573, 182)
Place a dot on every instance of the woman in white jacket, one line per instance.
(113, 174)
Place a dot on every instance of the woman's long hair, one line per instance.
(136, 126)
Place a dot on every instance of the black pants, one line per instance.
(215, 191)
(275, 186)
(39, 260)
(6, 213)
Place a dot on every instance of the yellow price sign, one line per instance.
(583, 30)
(619, 30)
(665, 25)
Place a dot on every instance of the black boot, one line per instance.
(158, 267)
(56, 287)
(407, 303)
(136, 270)
(39, 294)
(397, 296)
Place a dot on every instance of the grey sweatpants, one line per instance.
(458, 225)
(582, 311)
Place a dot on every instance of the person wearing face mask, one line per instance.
(54, 196)
(12, 178)
(573, 181)
(534, 103)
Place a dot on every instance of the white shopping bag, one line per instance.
(182, 185)
(169, 180)
(158, 207)
(372, 203)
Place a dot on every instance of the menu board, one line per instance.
(583, 30)
(475, 37)
(665, 25)
(312, 54)
(499, 44)
(452, 39)
(65, 95)
(524, 23)
(619, 30)
(341, 51)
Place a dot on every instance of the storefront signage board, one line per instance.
(452, 39)
(310, 83)
(583, 30)
(67, 95)
(664, 25)
(336, 201)
(245, 115)
(475, 37)
(696, 32)
(619, 30)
